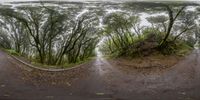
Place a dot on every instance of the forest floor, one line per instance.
(101, 79)
(151, 63)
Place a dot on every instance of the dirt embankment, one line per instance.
(151, 63)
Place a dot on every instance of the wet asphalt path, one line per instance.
(101, 80)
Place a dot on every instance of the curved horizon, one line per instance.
(2, 1)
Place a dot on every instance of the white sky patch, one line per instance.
(191, 8)
(101, 22)
(67, 0)
(143, 17)
(95, 0)
(113, 10)
(81, 13)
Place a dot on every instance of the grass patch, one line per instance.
(11, 52)
(66, 65)
(183, 49)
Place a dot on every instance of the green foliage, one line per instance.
(183, 49)
(148, 43)
(5, 42)
(157, 19)
(12, 52)
(179, 47)
(67, 65)
(158, 35)
(51, 35)
(190, 41)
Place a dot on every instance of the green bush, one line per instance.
(149, 42)
(176, 47)
(183, 48)
(191, 41)
(12, 52)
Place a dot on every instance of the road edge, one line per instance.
(45, 69)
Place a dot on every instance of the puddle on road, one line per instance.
(101, 64)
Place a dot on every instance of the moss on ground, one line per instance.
(33, 62)
(10, 51)
(66, 65)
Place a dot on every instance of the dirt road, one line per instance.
(100, 80)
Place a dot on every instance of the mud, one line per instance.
(101, 80)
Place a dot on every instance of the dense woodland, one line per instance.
(175, 31)
(69, 32)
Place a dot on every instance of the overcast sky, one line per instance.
(95, 0)
(56, 0)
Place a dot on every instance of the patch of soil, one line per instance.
(39, 77)
(62, 78)
(152, 62)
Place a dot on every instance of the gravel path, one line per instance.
(100, 80)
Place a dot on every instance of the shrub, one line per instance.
(12, 52)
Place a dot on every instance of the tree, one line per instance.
(4, 40)
(186, 23)
(158, 21)
(54, 35)
(118, 29)
(172, 9)
(172, 19)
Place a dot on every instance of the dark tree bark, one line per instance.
(171, 22)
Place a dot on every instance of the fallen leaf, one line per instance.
(68, 84)
(53, 83)
(49, 97)
(6, 95)
(2, 85)
(100, 93)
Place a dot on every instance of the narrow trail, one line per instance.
(101, 80)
